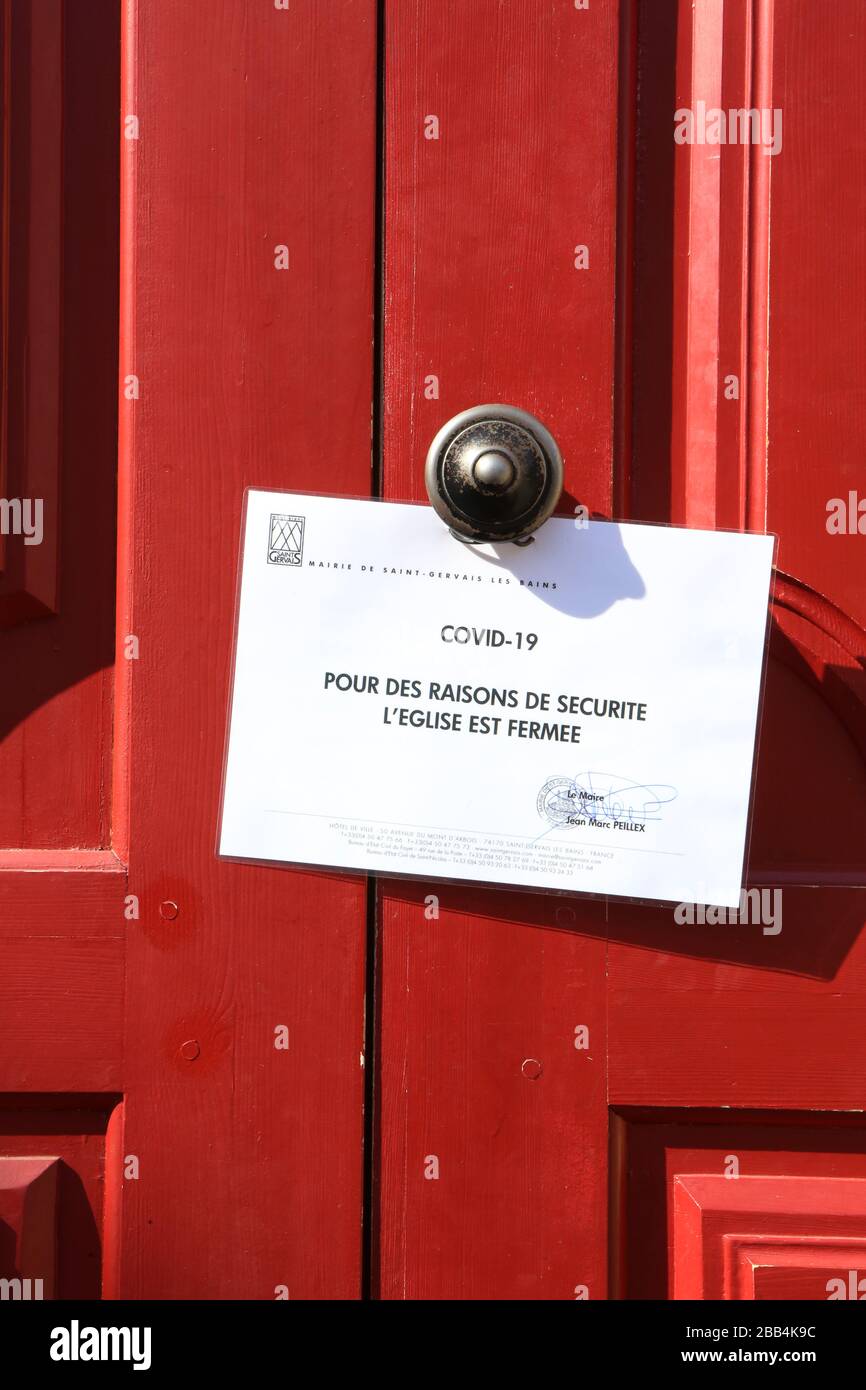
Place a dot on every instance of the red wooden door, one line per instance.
(182, 1039)
(685, 318)
(222, 1080)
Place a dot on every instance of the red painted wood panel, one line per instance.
(42, 1127)
(733, 1015)
(479, 1008)
(61, 1006)
(711, 1213)
(658, 1152)
(60, 424)
(817, 402)
(62, 888)
(823, 1270)
(60, 895)
(62, 981)
(61, 908)
(778, 1024)
(478, 306)
(256, 130)
(28, 1221)
(32, 79)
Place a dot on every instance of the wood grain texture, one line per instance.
(257, 130)
(481, 288)
(481, 291)
(61, 1014)
(60, 900)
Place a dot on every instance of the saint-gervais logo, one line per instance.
(285, 540)
(76, 1343)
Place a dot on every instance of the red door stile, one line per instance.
(248, 233)
(499, 284)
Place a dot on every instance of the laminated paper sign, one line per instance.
(575, 714)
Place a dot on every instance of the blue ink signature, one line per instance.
(602, 797)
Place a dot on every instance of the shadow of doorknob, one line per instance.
(493, 473)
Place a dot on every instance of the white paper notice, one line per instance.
(576, 714)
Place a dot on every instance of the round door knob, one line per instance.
(494, 473)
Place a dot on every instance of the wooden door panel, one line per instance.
(220, 1162)
(491, 1128)
(730, 1014)
(817, 343)
(30, 305)
(59, 1181)
(703, 1015)
(62, 1004)
(28, 1222)
(735, 1204)
(805, 1270)
(726, 1228)
(59, 435)
(248, 217)
(62, 886)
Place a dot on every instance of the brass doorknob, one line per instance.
(493, 473)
